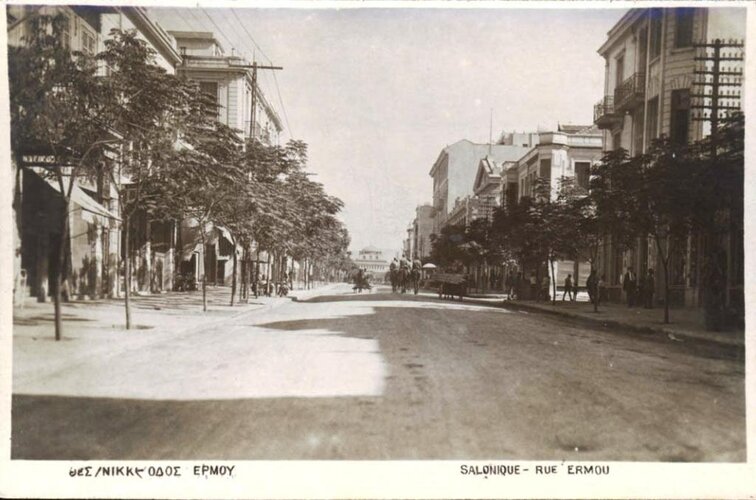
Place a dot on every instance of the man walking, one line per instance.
(567, 287)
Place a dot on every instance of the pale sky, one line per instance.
(378, 93)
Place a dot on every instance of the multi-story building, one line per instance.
(374, 261)
(650, 90)
(454, 173)
(524, 139)
(567, 153)
(94, 241)
(408, 247)
(422, 230)
(232, 82)
(487, 187)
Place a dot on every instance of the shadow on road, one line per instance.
(459, 384)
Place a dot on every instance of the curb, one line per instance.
(618, 324)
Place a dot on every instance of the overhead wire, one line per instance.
(245, 46)
(275, 79)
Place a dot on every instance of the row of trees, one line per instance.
(666, 196)
(118, 116)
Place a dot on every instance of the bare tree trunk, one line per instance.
(270, 275)
(233, 278)
(204, 269)
(664, 261)
(553, 283)
(244, 267)
(58, 297)
(127, 269)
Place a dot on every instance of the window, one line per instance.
(680, 119)
(655, 18)
(620, 71)
(652, 128)
(87, 42)
(211, 90)
(642, 50)
(544, 170)
(582, 173)
(65, 31)
(684, 27)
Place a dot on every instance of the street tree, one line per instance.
(660, 186)
(56, 109)
(147, 107)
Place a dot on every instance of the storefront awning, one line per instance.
(85, 202)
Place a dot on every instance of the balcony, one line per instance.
(604, 115)
(629, 93)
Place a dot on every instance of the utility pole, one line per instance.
(718, 84)
(718, 90)
(253, 113)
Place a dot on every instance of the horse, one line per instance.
(402, 278)
(414, 278)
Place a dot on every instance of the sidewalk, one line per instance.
(685, 323)
(158, 313)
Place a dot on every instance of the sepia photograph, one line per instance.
(503, 241)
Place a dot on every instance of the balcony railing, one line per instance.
(604, 115)
(630, 92)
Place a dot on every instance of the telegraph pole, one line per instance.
(718, 88)
(715, 82)
(253, 111)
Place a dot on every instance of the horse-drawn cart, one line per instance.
(450, 285)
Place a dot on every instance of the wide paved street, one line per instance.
(379, 376)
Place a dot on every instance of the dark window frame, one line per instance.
(656, 21)
(679, 124)
(684, 17)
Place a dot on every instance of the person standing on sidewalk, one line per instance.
(628, 285)
(600, 289)
(567, 287)
(649, 284)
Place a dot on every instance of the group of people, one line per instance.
(639, 291)
(405, 263)
(361, 280)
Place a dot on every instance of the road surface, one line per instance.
(383, 376)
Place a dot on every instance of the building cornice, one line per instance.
(162, 41)
(618, 30)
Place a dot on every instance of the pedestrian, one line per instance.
(508, 283)
(649, 286)
(600, 289)
(590, 285)
(628, 285)
(567, 287)
(533, 286)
